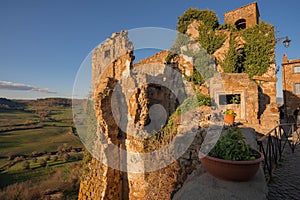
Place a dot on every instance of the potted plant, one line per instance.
(229, 116)
(231, 158)
(274, 110)
(235, 99)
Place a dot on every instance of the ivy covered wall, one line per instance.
(250, 51)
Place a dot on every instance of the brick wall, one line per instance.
(289, 78)
(248, 12)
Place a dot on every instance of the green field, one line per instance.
(16, 173)
(40, 140)
(12, 117)
(41, 130)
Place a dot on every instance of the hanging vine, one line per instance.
(257, 53)
(209, 40)
(259, 48)
(233, 62)
(254, 56)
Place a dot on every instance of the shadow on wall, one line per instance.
(263, 100)
(116, 180)
(292, 101)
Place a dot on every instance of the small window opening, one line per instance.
(225, 99)
(107, 54)
(297, 69)
(297, 88)
(240, 24)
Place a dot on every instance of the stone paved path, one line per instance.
(285, 183)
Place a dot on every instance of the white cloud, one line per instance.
(23, 87)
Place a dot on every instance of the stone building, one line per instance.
(112, 67)
(256, 101)
(243, 17)
(291, 83)
(261, 118)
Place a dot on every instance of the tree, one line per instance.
(26, 165)
(66, 157)
(208, 17)
(47, 158)
(34, 160)
(43, 162)
(55, 158)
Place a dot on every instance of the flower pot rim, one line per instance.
(235, 162)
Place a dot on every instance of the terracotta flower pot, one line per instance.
(229, 119)
(231, 170)
(274, 110)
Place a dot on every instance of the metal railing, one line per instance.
(273, 144)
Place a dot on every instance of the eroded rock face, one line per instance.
(114, 47)
(130, 102)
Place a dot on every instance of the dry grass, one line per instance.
(63, 183)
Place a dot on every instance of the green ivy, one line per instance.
(256, 55)
(165, 135)
(193, 102)
(196, 78)
(209, 40)
(259, 48)
(229, 27)
(180, 41)
(204, 64)
(208, 17)
(233, 62)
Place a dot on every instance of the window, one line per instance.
(297, 69)
(225, 99)
(106, 53)
(297, 88)
(240, 24)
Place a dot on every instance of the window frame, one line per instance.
(295, 92)
(296, 66)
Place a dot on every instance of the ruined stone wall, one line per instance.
(248, 12)
(115, 46)
(289, 78)
(267, 100)
(117, 95)
(109, 61)
(164, 183)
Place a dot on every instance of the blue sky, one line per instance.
(43, 43)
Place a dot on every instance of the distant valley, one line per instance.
(39, 144)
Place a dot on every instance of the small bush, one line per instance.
(34, 160)
(34, 153)
(43, 162)
(66, 157)
(55, 158)
(232, 146)
(26, 165)
(25, 190)
(47, 158)
(11, 156)
(208, 17)
(18, 158)
(193, 102)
